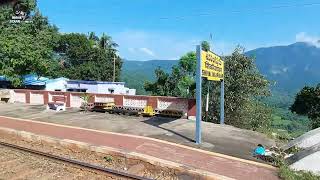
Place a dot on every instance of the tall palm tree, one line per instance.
(94, 40)
(107, 43)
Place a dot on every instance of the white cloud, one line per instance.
(312, 40)
(276, 70)
(147, 51)
(143, 45)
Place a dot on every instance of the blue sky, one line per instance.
(166, 29)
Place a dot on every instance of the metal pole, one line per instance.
(207, 102)
(198, 94)
(114, 68)
(222, 103)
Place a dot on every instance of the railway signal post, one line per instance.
(210, 66)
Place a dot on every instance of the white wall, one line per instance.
(103, 88)
(91, 88)
(132, 91)
(52, 86)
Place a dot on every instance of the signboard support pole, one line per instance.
(198, 96)
(207, 101)
(222, 103)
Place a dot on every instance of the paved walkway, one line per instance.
(218, 138)
(208, 161)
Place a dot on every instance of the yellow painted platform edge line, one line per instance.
(152, 139)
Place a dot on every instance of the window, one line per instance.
(111, 90)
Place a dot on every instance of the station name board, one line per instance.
(212, 66)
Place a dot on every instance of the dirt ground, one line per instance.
(217, 138)
(31, 166)
(15, 164)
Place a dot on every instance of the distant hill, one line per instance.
(147, 67)
(135, 73)
(290, 67)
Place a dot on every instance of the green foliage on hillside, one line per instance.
(88, 58)
(293, 124)
(135, 73)
(37, 47)
(243, 85)
(135, 80)
(291, 67)
(180, 82)
(25, 47)
(307, 102)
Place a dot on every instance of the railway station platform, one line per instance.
(227, 166)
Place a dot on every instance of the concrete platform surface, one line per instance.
(216, 138)
(213, 162)
(306, 160)
(306, 140)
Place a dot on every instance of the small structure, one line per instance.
(4, 82)
(58, 103)
(5, 95)
(58, 84)
(33, 81)
(99, 87)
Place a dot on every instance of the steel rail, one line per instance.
(75, 162)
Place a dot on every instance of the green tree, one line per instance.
(26, 47)
(163, 85)
(107, 43)
(205, 46)
(37, 47)
(244, 86)
(86, 61)
(307, 102)
(180, 82)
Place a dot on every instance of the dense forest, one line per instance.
(38, 47)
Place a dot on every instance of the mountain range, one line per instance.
(289, 67)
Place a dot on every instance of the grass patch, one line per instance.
(108, 159)
(288, 174)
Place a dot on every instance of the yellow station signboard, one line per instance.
(212, 66)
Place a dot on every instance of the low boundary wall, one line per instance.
(39, 97)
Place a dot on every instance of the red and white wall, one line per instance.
(39, 97)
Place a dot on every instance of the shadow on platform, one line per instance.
(158, 121)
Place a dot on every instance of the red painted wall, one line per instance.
(151, 100)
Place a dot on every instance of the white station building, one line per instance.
(99, 87)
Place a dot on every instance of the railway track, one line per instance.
(113, 173)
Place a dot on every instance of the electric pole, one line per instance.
(114, 68)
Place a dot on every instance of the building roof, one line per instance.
(33, 79)
(3, 78)
(56, 80)
(94, 82)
